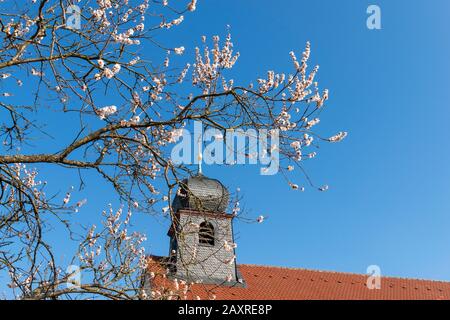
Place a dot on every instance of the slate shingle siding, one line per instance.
(209, 264)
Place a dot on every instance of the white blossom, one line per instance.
(338, 137)
(192, 5)
(106, 111)
(140, 27)
(179, 50)
(116, 68)
(37, 73)
(312, 123)
(101, 63)
(66, 198)
(108, 73)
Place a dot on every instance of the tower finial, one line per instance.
(199, 157)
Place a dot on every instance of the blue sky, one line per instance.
(388, 202)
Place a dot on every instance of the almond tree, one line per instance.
(75, 55)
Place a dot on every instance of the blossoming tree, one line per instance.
(73, 54)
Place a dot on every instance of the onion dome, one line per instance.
(201, 193)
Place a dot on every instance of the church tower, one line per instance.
(201, 235)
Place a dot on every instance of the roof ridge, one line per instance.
(341, 272)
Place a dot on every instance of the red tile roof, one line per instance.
(278, 283)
